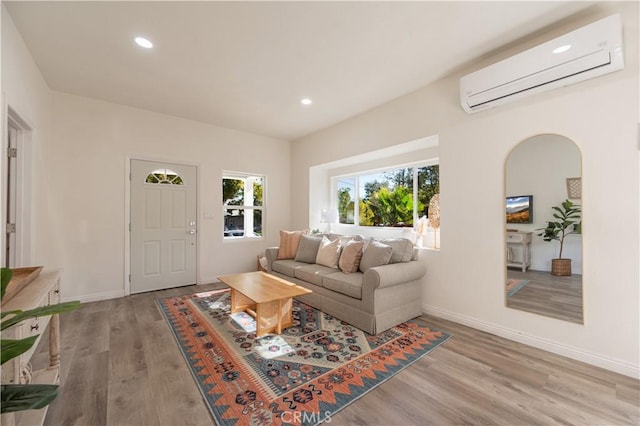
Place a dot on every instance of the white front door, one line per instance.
(163, 225)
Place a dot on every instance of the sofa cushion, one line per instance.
(350, 256)
(287, 266)
(289, 242)
(313, 273)
(328, 253)
(308, 248)
(402, 249)
(375, 254)
(344, 239)
(347, 284)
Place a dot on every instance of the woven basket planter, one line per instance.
(561, 267)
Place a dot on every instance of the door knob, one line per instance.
(191, 231)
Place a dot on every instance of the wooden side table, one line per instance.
(522, 239)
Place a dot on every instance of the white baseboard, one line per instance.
(95, 297)
(597, 360)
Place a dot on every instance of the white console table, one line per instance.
(522, 239)
(43, 291)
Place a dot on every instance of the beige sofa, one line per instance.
(373, 300)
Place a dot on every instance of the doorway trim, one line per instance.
(24, 178)
(127, 212)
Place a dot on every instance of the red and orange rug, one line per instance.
(313, 370)
(515, 285)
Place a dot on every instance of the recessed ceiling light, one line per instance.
(562, 48)
(143, 42)
(306, 101)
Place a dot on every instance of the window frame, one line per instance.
(177, 180)
(245, 207)
(357, 196)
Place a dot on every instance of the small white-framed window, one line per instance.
(243, 205)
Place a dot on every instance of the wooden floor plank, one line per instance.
(600, 401)
(545, 294)
(122, 366)
(628, 393)
(82, 398)
(128, 401)
(127, 357)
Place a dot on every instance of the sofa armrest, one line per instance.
(393, 274)
(271, 253)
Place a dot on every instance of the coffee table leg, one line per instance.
(286, 312)
(233, 301)
(240, 302)
(279, 313)
(268, 318)
(259, 320)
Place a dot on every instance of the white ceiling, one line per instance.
(246, 65)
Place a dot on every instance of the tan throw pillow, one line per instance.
(350, 256)
(289, 242)
(328, 253)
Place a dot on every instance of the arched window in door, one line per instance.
(164, 176)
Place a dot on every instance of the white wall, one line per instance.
(92, 141)
(466, 277)
(80, 148)
(539, 166)
(25, 91)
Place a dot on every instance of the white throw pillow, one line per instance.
(328, 253)
(402, 249)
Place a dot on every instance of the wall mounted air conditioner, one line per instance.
(587, 52)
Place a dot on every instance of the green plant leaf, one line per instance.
(14, 348)
(26, 397)
(5, 313)
(577, 228)
(32, 396)
(569, 223)
(40, 312)
(5, 277)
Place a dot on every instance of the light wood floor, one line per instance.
(548, 295)
(121, 366)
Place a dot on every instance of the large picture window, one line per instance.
(394, 197)
(243, 205)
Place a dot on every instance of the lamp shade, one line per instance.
(329, 216)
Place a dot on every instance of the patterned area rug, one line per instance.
(313, 370)
(514, 286)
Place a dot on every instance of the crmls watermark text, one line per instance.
(300, 417)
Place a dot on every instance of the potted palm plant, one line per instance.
(567, 222)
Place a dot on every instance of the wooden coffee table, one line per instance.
(265, 297)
